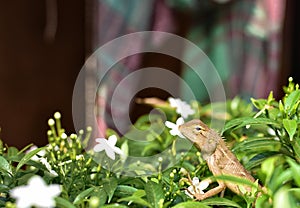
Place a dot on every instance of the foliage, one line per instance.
(265, 139)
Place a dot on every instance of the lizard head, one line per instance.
(204, 138)
(194, 130)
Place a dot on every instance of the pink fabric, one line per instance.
(267, 17)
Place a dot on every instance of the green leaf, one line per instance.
(110, 132)
(216, 201)
(241, 122)
(4, 165)
(2, 203)
(295, 169)
(63, 203)
(290, 126)
(136, 198)
(4, 188)
(150, 148)
(12, 151)
(154, 193)
(267, 167)
(27, 157)
(295, 190)
(37, 165)
(259, 103)
(24, 179)
(110, 185)
(84, 194)
(281, 177)
(262, 201)
(291, 100)
(283, 199)
(296, 148)
(256, 145)
(259, 158)
(281, 107)
(139, 193)
(188, 166)
(101, 195)
(124, 190)
(114, 206)
(270, 97)
(191, 205)
(25, 148)
(125, 150)
(235, 180)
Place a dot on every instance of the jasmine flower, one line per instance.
(109, 146)
(48, 166)
(197, 187)
(174, 127)
(273, 133)
(39, 157)
(182, 107)
(36, 193)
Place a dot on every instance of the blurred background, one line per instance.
(44, 44)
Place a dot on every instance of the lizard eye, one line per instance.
(198, 128)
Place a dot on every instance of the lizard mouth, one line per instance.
(182, 131)
(179, 127)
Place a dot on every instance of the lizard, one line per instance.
(219, 158)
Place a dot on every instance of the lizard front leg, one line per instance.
(221, 185)
(196, 188)
(211, 192)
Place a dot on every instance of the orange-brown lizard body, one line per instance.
(220, 160)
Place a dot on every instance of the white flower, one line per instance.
(174, 127)
(79, 157)
(197, 187)
(48, 166)
(182, 107)
(37, 156)
(109, 145)
(273, 133)
(36, 193)
(64, 136)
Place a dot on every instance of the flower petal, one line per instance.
(36, 193)
(53, 173)
(54, 190)
(112, 140)
(203, 185)
(187, 193)
(118, 150)
(179, 121)
(182, 108)
(99, 147)
(110, 153)
(174, 127)
(174, 132)
(98, 140)
(170, 124)
(173, 102)
(195, 181)
(191, 189)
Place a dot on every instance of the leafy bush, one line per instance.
(266, 139)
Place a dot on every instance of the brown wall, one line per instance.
(37, 76)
